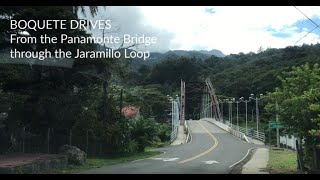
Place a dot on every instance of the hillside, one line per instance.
(236, 74)
(156, 57)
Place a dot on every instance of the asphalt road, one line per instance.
(211, 151)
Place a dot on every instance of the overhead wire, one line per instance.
(317, 25)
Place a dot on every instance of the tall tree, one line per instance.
(298, 98)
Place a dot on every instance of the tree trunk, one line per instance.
(105, 95)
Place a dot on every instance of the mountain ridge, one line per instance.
(157, 57)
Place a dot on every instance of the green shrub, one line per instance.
(164, 132)
(144, 131)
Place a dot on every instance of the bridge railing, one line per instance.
(174, 133)
(256, 135)
(175, 118)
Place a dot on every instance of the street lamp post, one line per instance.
(238, 114)
(230, 101)
(221, 102)
(257, 109)
(246, 103)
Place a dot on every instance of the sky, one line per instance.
(229, 29)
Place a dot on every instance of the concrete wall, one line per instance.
(37, 166)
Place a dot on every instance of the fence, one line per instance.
(288, 142)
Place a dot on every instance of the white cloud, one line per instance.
(231, 29)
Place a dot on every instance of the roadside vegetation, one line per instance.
(282, 162)
(98, 162)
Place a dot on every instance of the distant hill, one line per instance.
(156, 57)
(202, 54)
(235, 75)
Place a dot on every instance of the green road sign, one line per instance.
(275, 124)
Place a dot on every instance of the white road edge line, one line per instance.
(242, 158)
(147, 158)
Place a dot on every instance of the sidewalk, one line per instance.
(255, 141)
(258, 162)
(181, 137)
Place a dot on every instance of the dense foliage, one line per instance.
(89, 95)
(298, 101)
(80, 99)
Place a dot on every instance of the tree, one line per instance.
(144, 131)
(298, 98)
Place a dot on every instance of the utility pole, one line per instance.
(121, 99)
(277, 119)
(257, 110)
(222, 111)
(246, 102)
(231, 112)
(252, 115)
(257, 114)
(238, 114)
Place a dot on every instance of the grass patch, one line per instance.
(282, 162)
(157, 145)
(98, 162)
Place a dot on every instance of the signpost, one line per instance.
(275, 125)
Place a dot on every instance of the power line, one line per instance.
(317, 25)
(306, 16)
(306, 35)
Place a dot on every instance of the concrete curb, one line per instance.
(188, 139)
(242, 158)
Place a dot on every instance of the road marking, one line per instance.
(149, 157)
(215, 144)
(211, 162)
(170, 159)
(165, 159)
(241, 159)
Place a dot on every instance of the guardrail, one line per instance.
(228, 129)
(238, 131)
(260, 135)
(219, 124)
(239, 134)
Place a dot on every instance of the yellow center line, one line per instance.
(215, 144)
